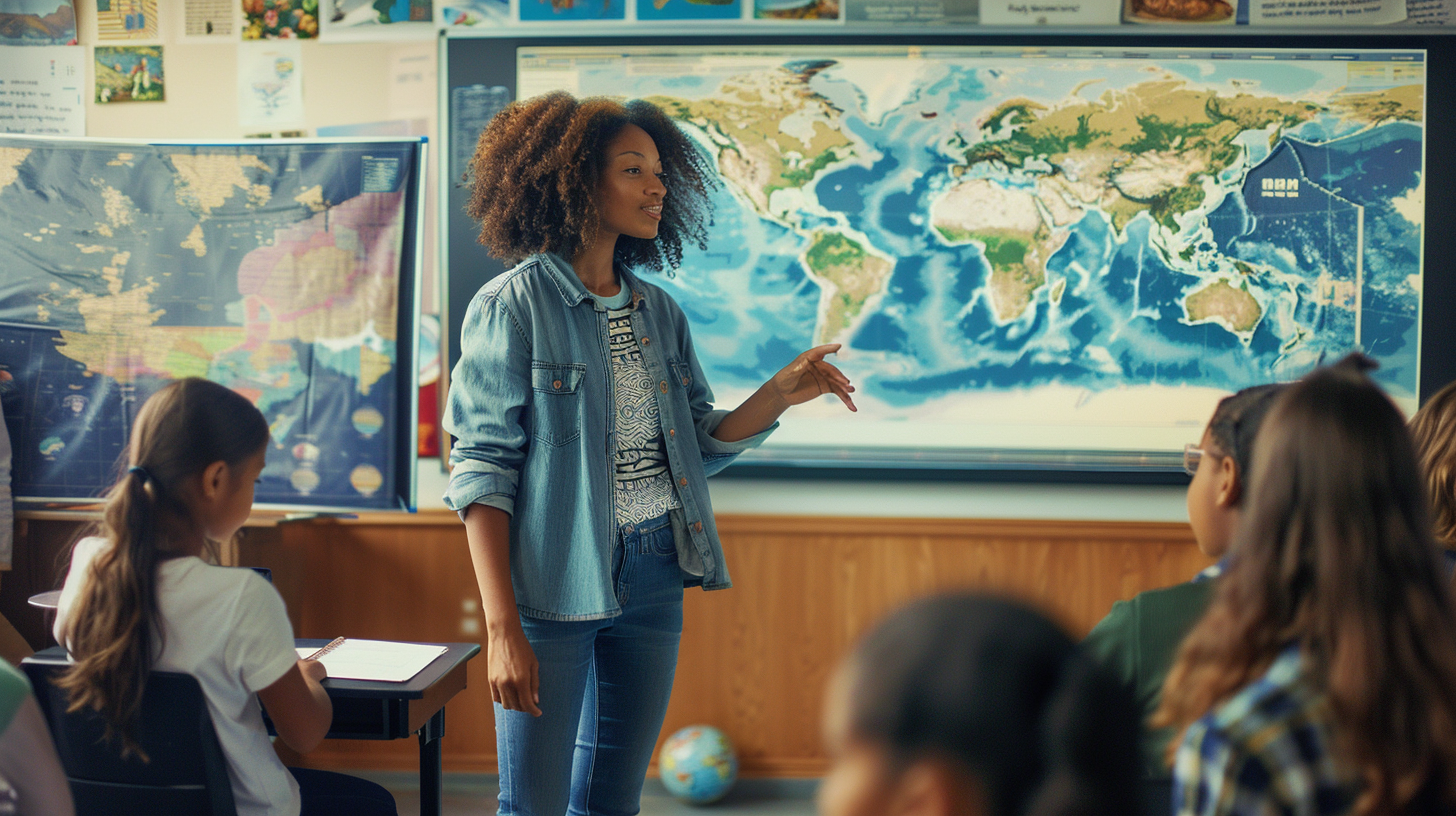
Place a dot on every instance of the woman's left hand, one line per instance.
(809, 376)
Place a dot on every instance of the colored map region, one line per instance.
(272, 269)
(1040, 251)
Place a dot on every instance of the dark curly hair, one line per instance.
(537, 166)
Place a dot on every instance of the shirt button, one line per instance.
(682, 482)
(697, 526)
(662, 386)
(671, 432)
(627, 529)
(556, 384)
(685, 380)
(647, 341)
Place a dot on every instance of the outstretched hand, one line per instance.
(809, 376)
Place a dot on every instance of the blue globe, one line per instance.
(698, 764)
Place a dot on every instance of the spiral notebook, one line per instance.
(385, 660)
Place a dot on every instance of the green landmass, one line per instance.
(855, 273)
(1188, 128)
(743, 119)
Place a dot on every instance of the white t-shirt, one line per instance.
(228, 628)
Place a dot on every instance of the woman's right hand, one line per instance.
(514, 674)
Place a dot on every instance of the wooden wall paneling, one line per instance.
(754, 659)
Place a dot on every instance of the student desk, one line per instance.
(373, 710)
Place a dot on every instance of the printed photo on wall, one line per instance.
(129, 73)
(361, 17)
(465, 13)
(280, 19)
(127, 20)
(575, 11)
(796, 9)
(689, 9)
(38, 22)
(1179, 11)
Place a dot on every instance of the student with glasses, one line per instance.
(1139, 637)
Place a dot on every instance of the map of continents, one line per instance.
(1046, 247)
(272, 269)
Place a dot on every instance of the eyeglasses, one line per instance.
(1192, 455)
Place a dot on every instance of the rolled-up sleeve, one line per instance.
(488, 408)
(717, 454)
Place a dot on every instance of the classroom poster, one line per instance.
(571, 11)
(681, 10)
(270, 86)
(1201, 12)
(467, 13)
(1043, 12)
(412, 81)
(127, 20)
(206, 20)
(41, 90)
(280, 19)
(796, 9)
(129, 73)
(38, 22)
(918, 12)
(378, 19)
(1428, 12)
(1326, 12)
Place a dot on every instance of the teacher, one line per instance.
(586, 434)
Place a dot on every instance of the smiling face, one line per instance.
(630, 192)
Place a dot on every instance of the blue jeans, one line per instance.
(604, 691)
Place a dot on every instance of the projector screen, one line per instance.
(1055, 255)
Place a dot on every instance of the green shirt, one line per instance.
(14, 688)
(1137, 642)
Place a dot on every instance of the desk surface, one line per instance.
(411, 689)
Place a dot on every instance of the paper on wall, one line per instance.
(1428, 12)
(412, 73)
(270, 85)
(1326, 12)
(41, 90)
(1050, 12)
(204, 20)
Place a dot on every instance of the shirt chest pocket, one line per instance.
(682, 375)
(556, 407)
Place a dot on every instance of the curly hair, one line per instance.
(1434, 430)
(536, 169)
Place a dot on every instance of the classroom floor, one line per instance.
(474, 795)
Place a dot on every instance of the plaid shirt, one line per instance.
(1266, 750)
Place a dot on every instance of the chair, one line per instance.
(187, 773)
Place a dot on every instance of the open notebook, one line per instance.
(387, 660)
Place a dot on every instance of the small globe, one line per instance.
(698, 764)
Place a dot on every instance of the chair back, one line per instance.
(186, 774)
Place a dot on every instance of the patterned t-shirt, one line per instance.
(644, 487)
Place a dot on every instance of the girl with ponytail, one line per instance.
(965, 704)
(139, 596)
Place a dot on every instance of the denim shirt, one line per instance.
(531, 404)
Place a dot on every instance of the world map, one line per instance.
(1080, 250)
(274, 269)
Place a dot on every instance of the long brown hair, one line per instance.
(113, 631)
(1434, 430)
(1335, 554)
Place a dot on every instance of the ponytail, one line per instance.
(114, 632)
